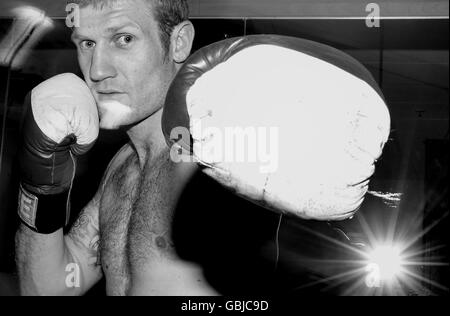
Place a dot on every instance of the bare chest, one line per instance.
(134, 222)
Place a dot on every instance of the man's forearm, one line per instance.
(41, 262)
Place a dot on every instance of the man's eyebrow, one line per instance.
(110, 30)
(115, 28)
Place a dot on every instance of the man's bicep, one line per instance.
(85, 234)
(82, 243)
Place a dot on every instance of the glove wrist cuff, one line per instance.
(44, 214)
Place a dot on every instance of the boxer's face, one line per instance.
(123, 61)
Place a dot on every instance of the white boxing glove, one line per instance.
(290, 124)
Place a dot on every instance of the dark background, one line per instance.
(236, 241)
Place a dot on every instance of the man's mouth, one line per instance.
(109, 95)
(108, 92)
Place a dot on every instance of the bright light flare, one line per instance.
(389, 261)
(384, 265)
(382, 262)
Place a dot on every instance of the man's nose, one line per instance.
(101, 65)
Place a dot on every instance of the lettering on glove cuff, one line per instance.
(27, 207)
(44, 214)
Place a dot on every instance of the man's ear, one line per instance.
(181, 41)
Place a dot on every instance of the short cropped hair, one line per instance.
(167, 13)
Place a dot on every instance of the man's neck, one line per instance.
(148, 139)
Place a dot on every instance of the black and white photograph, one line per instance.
(228, 153)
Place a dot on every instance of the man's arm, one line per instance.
(61, 123)
(60, 265)
(47, 264)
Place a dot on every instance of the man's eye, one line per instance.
(125, 40)
(87, 44)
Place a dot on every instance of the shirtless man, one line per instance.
(128, 62)
(129, 51)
